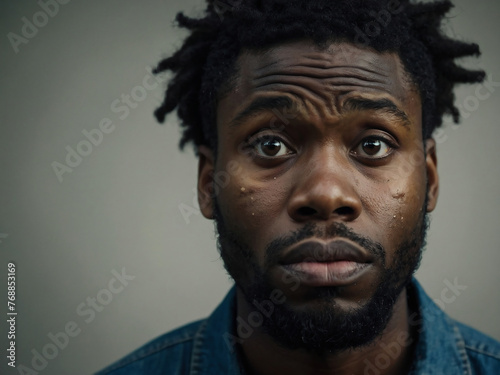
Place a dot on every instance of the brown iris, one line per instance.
(270, 146)
(371, 146)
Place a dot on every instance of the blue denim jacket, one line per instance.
(205, 347)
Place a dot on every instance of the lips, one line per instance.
(334, 251)
(336, 263)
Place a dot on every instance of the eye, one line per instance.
(270, 146)
(373, 148)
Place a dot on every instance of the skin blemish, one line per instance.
(393, 221)
(242, 189)
(399, 195)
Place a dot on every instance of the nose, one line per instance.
(326, 191)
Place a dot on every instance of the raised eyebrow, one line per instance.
(262, 104)
(385, 105)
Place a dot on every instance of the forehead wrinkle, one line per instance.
(325, 89)
(282, 58)
(329, 99)
(301, 93)
(318, 77)
(269, 65)
(268, 69)
(322, 72)
(324, 61)
(330, 79)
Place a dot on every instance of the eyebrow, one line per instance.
(262, 104)
(276, 103)
(384, 105)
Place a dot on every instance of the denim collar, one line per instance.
(440, 348)
(213, 352)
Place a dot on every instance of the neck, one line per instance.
(390, 353)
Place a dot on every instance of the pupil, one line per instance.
(271, 147)
(372, 147)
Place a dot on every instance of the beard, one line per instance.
(324, 327)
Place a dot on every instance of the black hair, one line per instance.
(206, 61)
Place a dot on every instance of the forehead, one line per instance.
(322, 78)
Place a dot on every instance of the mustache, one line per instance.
(275, 249)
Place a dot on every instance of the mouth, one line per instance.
(336, 263)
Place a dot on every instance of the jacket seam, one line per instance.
(460, 346)
(492, 355)
(198, 341)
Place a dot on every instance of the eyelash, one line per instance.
(253, 141)
(391, 145)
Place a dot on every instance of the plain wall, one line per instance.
(119, 207)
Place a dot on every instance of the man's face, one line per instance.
(328, 188)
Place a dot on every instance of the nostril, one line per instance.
(344, 211)
(306, 211)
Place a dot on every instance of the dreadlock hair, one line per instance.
(206, 62)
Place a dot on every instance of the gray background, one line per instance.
(120, 206)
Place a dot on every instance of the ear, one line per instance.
(432, 174)
(205, 181)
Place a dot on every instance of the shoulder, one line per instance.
(169, 353)
(189, 349)
(483, 351)
(446, 346)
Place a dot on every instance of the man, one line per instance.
(313, 124)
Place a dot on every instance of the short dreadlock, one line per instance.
(206, 61)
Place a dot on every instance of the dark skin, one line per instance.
(353, 123)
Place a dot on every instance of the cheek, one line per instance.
(250, 207)
(393, 206)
